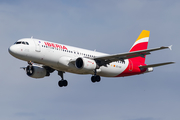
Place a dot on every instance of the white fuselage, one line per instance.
(51, 56)
(59, 57)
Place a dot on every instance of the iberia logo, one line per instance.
(55, 45)
(91, 62)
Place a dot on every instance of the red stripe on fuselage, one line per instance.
(132, 69)
(134, 63)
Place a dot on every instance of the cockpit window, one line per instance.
(18, 43)
(22, 42)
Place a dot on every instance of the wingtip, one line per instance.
(170, 47)
(170, 62)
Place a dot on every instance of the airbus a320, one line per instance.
(44, 57)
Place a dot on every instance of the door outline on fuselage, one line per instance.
(130, 65)
(37, 45)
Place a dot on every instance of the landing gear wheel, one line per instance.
(95, 78)
(62, 83)
(98, 78)
(65, 83)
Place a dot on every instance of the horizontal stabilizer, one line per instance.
(156, 65)
(23, 68)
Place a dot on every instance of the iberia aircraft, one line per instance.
(45, 57)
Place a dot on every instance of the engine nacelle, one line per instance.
(149, 69)
(85, 64)
(36, 71)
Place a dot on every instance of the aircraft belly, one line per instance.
(72, 69)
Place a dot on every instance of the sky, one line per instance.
(109, 26)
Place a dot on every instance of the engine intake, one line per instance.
(85, 64)
(36, 71)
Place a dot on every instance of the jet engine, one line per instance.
(85, 64)
(36, 71)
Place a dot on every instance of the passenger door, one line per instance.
(37, 45)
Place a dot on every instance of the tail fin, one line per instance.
(140, 44)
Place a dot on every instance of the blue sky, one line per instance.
(107, 26)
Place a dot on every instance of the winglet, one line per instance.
(170, 47)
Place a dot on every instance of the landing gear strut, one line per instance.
(62, 82)
(95, 78)
(30, 63)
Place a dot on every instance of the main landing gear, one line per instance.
(62, 82)
(95, 78)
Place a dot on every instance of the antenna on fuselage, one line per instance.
(31, 37)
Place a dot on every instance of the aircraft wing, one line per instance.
(104, 60)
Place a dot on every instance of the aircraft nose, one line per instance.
(12, 50)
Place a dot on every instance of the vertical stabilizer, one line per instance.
(140, 44)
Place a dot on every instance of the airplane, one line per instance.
(45, 57)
